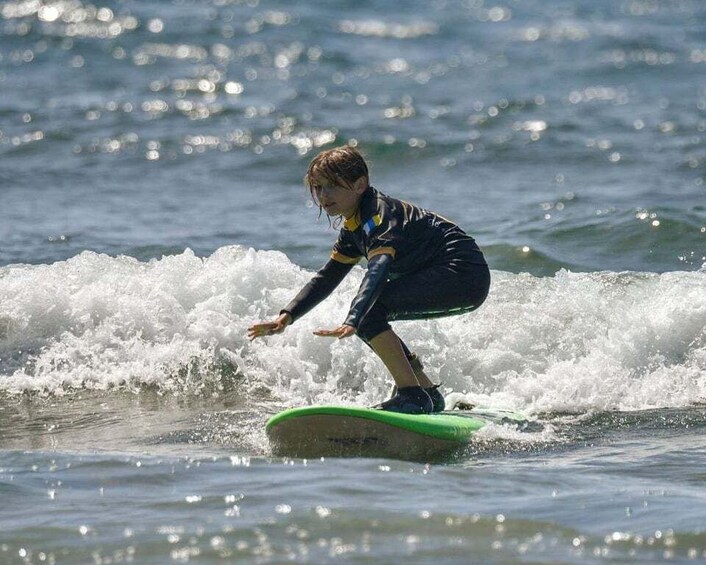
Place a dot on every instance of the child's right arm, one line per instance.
(318, 288)
(269, 328)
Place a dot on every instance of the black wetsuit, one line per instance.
(420, 265)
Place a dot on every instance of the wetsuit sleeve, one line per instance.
(318, 288)
(370, 289)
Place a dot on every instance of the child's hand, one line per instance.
(270, 328)
(340, 332)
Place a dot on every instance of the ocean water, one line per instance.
(152, 208)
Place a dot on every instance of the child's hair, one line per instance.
(341, 165)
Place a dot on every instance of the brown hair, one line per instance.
(341, 165)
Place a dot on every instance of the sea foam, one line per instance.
(573, 342)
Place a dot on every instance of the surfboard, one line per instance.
(349, 431)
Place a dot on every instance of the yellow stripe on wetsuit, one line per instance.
(341, 258)
(381, 251)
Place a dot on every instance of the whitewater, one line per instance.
(574, 342)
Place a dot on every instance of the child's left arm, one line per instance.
(369, 291)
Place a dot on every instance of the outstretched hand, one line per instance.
(269, 328)
(340, 332)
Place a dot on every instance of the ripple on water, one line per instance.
(145, 508)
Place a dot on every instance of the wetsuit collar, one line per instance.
(352, 223)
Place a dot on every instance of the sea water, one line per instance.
(152, 208)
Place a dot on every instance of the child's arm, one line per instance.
(369, 291)
(318, 288)
(371, 287)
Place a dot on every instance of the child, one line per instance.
(420, 265)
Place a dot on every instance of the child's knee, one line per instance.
(369, 329)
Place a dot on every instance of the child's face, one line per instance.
(339, 200)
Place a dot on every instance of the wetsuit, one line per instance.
(420, 265)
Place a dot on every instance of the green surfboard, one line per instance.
(349, 431)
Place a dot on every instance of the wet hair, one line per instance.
(341, 166)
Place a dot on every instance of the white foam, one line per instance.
(572, 342)
(492, 433)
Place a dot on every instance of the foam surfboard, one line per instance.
(349, 431)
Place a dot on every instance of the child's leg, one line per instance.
(441, 290)
(409, 397)
(391, 351)
(417, 366)
(437, 399)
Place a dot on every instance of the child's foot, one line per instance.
(418, 368)
(437, 399)
(409, 400)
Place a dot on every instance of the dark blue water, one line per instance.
(152, 207)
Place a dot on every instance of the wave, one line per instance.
(571, 342)
(560, 236)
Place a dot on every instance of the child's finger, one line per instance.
(326, 333)
(346, 331)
